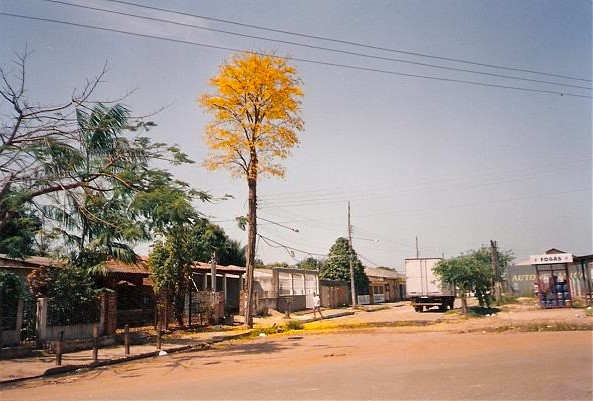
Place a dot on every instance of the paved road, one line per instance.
(377, 364)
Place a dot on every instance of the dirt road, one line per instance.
(372, 364)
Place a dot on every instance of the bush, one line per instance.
(293, 325)
(578, 303)
(11, 291)
(72, 299)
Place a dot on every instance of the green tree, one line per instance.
(171, 259)
(472, 272)
(256, 114)
(17, 237)
(11, 291)
(90, 177)
(310, 263)
(337, 266)
(170, 266)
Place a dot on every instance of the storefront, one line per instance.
(526, 277)
(552, 283)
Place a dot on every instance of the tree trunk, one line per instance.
(463, 295)
(251, 240)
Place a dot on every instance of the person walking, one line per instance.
(316, 305)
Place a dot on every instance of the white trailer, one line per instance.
(423, 288)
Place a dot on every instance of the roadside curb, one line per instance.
(335, 315)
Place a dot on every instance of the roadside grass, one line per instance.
(540, 327)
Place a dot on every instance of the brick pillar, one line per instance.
(108, 321)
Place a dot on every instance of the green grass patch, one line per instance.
(293, 325)
(507, 299)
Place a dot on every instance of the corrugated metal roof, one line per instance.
(114, 266)
(383, 273)
(29, 262)
(205, 267)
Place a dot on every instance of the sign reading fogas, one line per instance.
(551, 258)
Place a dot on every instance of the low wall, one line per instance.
(297, 303)
(70, 332)
(21, 351)
(79, 344)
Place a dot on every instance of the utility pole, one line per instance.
(213, 282)
(213, 271)
(417, 250)
(495, 270)
(352, 287)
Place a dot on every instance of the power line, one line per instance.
(279, 245)
(341, 192)
(317, 47)
(349, 42)
(279, 224)
(309, 61)
(446, 184)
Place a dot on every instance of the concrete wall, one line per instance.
(271, 286)
(334, 294)
(297, 302)
(106, 324)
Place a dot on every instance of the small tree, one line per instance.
(470, 272)
(337, 266)
(255, 110)
(171, 259)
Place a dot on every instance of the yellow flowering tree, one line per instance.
(256, 113)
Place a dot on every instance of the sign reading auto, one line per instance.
(551, 258)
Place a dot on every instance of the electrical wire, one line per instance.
(438, 185)
(349, 42)
(280, 245)
(316, 47)
(302, 60)
(342, 193)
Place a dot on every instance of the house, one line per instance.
(283, 289)
(385, 284)
(22, 267)
(228, 280)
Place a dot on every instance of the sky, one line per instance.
(391, 129)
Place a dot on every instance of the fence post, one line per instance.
(1, 322)
(127, 338)
(59, 349)
(41, 323)
(158, 335)
(95, 342)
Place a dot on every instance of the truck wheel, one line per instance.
(418, 308)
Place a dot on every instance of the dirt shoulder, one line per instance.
(517, 317)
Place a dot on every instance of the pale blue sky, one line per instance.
(454, 164)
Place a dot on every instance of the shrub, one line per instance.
(294, 325)
(507, 299)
